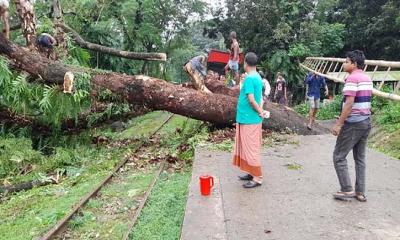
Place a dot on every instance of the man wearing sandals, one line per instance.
(353, 127)
(249, 116)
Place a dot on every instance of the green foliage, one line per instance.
(15, 154)
(138, 26)
(57, 106)
(387, 113)
(326, 112)
(280, 61)
(48, 102)
(331, 110)
(77, 55)
(332, 38)
(370, 26)
(111, 110)
(179, 57)
(45, 25)
(29, 214)
(284, 34)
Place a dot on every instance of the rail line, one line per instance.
(62, 224)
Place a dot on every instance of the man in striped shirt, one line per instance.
(353, 127)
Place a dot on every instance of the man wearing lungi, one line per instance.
(249, 115)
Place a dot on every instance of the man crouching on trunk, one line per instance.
(196, 70)
(249, 115)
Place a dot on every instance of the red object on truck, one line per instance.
(217, 60)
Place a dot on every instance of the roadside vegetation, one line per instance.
(385, 135)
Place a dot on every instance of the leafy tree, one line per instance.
(281, 33)
(372, 26)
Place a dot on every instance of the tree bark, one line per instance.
(26, 13)
(280, 115)
(154, 93)
(107, 50)
(4, 11)
(59, 32)
(24, 186)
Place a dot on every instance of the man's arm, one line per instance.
(202, 70)
(326, 87)
(285, 91)
(254, 104)
(344, 115)
(306, 92)
(346, 110)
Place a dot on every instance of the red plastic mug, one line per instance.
(206, 183)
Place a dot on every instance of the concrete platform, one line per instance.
(293, 204)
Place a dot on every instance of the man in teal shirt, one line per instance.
(249, 116)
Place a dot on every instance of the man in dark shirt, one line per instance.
(314, 84)
(280, 90)
(46, 42)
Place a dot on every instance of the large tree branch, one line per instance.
(103, 49)
(154, 93)
(287, 116)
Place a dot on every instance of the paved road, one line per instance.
(293, 204)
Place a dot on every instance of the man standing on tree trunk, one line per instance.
(353, 127)
(233, 64)
(249, 115)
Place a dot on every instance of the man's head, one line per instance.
(250, 61)
(354, 60)
(232, 35)
(279, 75)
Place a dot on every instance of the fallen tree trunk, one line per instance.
(107, 50)
(24, 186)
(154, 93)
(280, 115)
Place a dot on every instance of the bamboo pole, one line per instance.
(375, 92)
(367, 62)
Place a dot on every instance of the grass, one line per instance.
(162, 217)
(386, 142)
(29, 214)
(329, 111)
(144, 125)
(293, 166)
(106, 216)
(386, 117)
(26, 215)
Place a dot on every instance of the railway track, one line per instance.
(62, 224)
